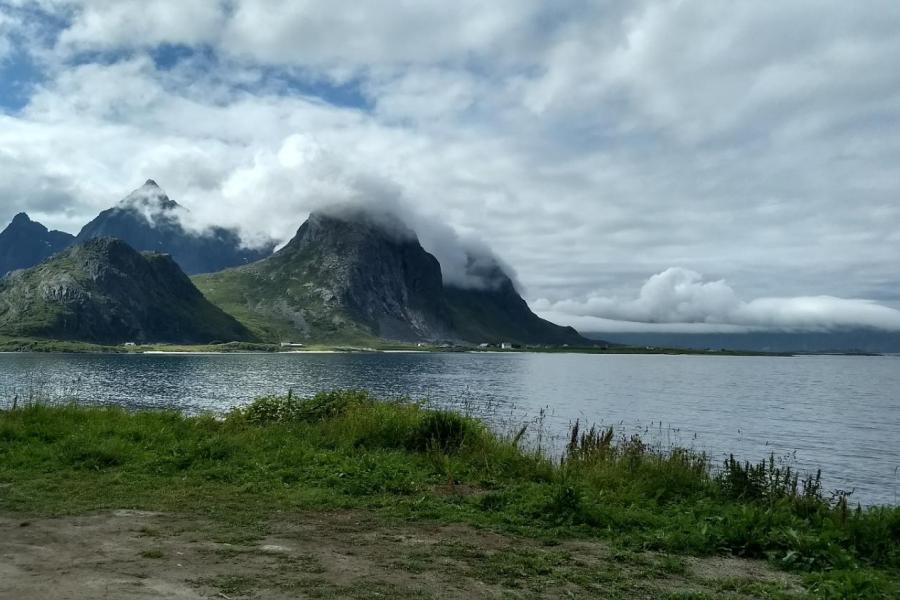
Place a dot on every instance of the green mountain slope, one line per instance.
(104, 291)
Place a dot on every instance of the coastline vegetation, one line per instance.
(27, 344)
(345, 450)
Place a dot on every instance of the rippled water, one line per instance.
(837, 413)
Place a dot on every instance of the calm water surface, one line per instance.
(837, 413)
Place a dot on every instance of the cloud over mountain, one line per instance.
(587, 143)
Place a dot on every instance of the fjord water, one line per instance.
(837, 413)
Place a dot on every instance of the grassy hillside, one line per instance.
(278, 307)
(401, 463)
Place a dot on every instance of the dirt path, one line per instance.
(134, 555)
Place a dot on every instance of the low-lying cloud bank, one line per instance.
(681, 300)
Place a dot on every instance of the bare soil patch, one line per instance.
(135, 555)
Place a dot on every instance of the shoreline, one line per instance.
(36, 346)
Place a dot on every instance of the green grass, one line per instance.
(30, 344)
(344, 450)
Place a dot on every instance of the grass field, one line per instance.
(399, 467)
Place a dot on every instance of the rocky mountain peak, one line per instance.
(351, 227)
(149, 198)
(25, 243)
(106, 245)
(148, 220)
(110, 251)
(105, 291)
(21, 219)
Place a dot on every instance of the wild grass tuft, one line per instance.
(285, 409)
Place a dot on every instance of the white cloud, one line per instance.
(116, 24)
(681, 300)
(364, 35)
(339, 41)
(7, 25)
(587, 143)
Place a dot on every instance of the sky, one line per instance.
(640, 164)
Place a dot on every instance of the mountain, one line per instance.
(341, 277)
(148, 220)
(350, 274)
(500, 314)
(25, 243)
(106, 292)
(846, 340)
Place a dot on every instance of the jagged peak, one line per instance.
(22, 222)
(117, 252)
(149, 197)
(107, 245)
(347, 223)
(371, 219)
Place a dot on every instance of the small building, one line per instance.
(484, 345)
(506, 346)
(291, 345)
(130, 344)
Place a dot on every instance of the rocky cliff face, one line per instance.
(104, 291)
(25, 243)
(147, 219)
(343, 276)
(382, 279)
(349, 274)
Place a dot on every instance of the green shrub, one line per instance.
(768, 481)
(285, 409)
(565, 505)
(443, 431)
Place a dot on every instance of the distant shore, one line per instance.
(20, 345)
